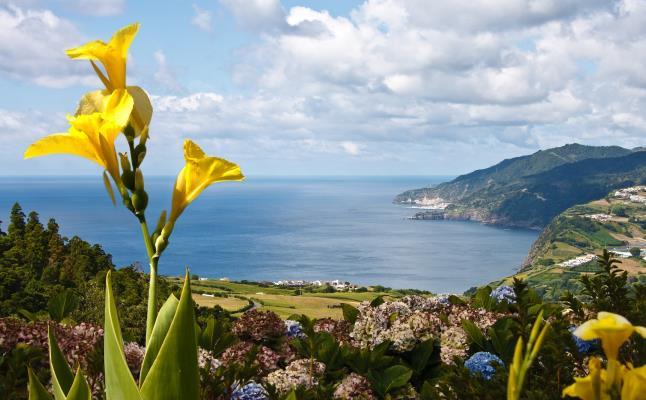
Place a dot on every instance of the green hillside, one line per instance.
(566, 247)
(529, 191)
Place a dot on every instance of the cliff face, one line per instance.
(529, 191)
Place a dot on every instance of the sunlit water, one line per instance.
(286, 228)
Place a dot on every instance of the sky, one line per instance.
(336, 87)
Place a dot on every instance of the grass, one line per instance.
(228, 303)
(282, 301)
(313, 307)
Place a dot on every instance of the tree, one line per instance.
(635, 251)
(17, 222)
(608, 288)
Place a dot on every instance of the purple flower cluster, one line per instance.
(259, 326)
(134, 357)
(354, 386)
(482, 363)
(504, 293)
(250, 391)
(76, 342)
(266, 358)
(339, 329)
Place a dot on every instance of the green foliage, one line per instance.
(14, 366)
(62, 305)
(350, 313)
(608, 289)
(43, 273)
(216, 335)
(389, 379)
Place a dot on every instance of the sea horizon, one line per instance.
(286, 227)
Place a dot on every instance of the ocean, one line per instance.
(271, 228)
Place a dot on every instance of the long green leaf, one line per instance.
(162, 323)
(119, 383)
(62, 376)
(36, 389)
(474, 334)
(80, 390)
(174, 373)
(62, 305)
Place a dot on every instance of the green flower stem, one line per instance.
(152, 288)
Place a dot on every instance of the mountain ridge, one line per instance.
(528, 191)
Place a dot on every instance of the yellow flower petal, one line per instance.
(199, 172)
(641, 331)
(119, 105)
(589, 387)
(143, 111)
(112, 54)
(90, 136)
(612, 329)
(634, 387)
(61, 143)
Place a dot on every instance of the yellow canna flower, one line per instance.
(612, 329)
(199, 172)
(113, 55)
(634, 385)
(90, 136)
(589, 387)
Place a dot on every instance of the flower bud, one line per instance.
(127, 202)
(128, 178)
(125, 163)
(160, 244)
(140, 200)
(160, 222)
(129, 132)
(139, 180)
(139, 153)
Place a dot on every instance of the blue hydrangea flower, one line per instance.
(504, 293)
(583, 346)
(250, 391)
(481, 363)
(293, 329)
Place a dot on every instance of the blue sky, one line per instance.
(386, 87)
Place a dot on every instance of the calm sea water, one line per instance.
(286, 228)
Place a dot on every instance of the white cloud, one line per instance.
(351, 148)
(100, 8)
(394, 81)
(257, 15)
(202, 19)
(165, 75)
(31, 48)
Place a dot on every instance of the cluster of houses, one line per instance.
(599, 217)
(432, 203)
(632, 194)
(586, 258)
(336, 284)
(580, 260)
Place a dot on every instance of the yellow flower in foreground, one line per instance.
(634, 386)
(113, 55)
(589, 387)
(199, 172)
(612, 329)
(90, 136)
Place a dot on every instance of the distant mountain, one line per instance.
(529, 191)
